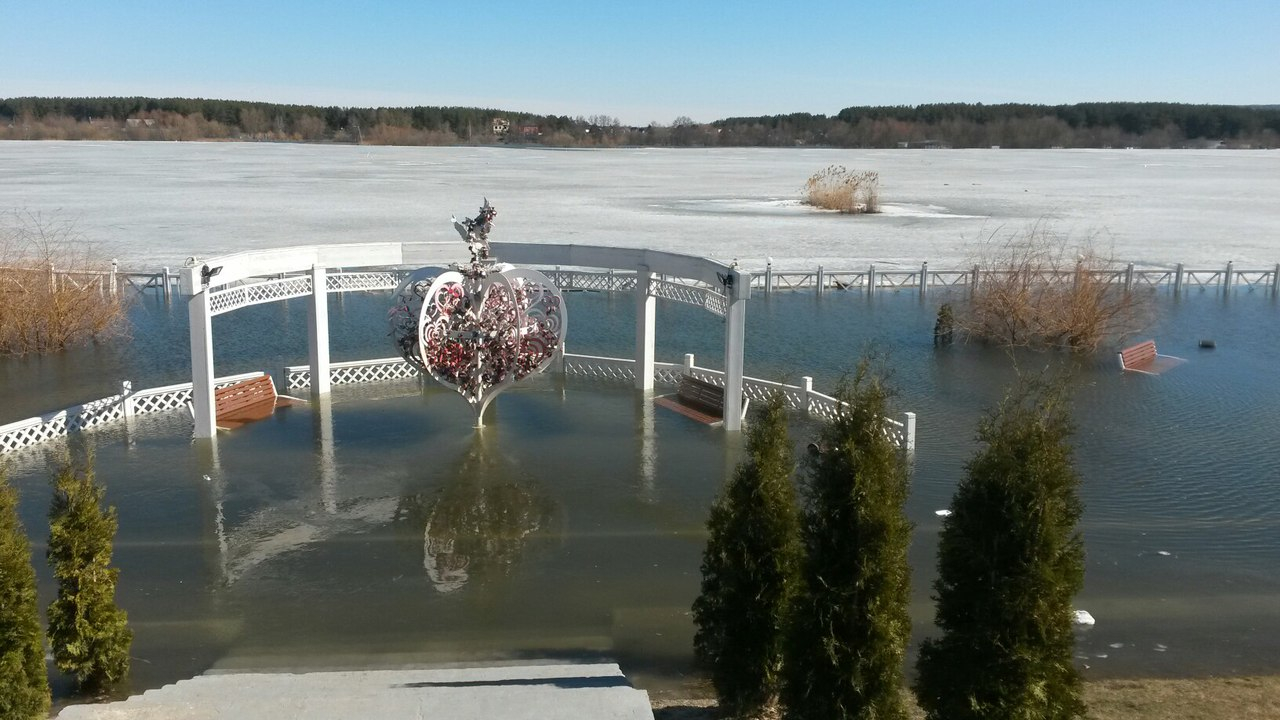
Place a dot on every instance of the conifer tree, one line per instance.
(1010, 559)
(748, 570)
(24, 682)
(850, 627)
(89, 634)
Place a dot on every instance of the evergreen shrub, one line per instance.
(89, 634)
(850, 626)
(24, 682)
(1010, 559)
(748, 570)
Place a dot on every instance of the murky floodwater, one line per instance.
(380, 529)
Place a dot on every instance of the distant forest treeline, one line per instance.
(1117, 124)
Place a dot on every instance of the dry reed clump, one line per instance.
(54, 292)
(838, 188)
(1039, 290)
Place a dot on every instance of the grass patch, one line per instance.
(1238, 698)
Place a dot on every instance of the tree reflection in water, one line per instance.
(477, 526)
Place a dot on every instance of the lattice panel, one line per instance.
(760, 391)
(668, 375)
(599, 368)
(695, 295)
(16, 438)
(397, 369)
(357, 282)
(297, 379)
(145, 402)
(221, 301)
(599, 281)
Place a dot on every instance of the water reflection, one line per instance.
(479, 524)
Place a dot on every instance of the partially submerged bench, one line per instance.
(1143, 358)
(698, 400)
(247, 401)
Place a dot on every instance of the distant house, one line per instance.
(501, 126)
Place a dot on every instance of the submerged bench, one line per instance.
(247, 401)
(698, 400)
(1143, 358)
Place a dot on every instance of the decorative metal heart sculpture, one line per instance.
(481, 328)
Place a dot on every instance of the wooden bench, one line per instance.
(247, 401)
(1143, 358)
(698, 400)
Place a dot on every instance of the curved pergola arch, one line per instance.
(225, 283)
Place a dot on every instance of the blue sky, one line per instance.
(647, 61)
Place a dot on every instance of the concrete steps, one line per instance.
(572, 692)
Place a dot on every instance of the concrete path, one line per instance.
(541, 692)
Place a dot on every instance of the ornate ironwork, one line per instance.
(481, 327)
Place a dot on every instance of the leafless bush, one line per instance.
(837, 188)
(1037, 289)
(54, 292)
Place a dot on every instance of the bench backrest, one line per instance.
(701, 394)
(1140, 354)
(244, 394)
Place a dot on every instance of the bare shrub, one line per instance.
(54, 292)
(838, 188)
(1037, 289)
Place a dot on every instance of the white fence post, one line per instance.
(768, 278)
(924, 278)
(909, 429)
(806, 384)
(821, 280)
(1227, 278)
(1177, 280)
(1275, 281)
(871, 280)
(688, 363)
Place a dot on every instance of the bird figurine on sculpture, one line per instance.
(475, 231)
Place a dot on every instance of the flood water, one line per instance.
(381, 529)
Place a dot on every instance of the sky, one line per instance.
(650, 61)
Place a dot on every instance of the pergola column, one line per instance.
(646, 326)
(318, 332)
(738, 289)
(201, 322)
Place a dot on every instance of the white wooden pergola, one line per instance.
(226, 283)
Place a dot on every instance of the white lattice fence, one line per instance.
(602, 368)
(696, 295)
(359, 371)
(228, 299)
(586, 280)
(361, 281)
(36, 430)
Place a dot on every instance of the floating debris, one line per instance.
(1084, 618)
(942, 513)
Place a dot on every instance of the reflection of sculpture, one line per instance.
(478, 525)
(481, 327)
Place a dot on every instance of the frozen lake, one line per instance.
(153, 204)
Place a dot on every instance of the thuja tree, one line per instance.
(24, 685)
(89, 634)
(1010, 559)
(850, 627)
(748, 570)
